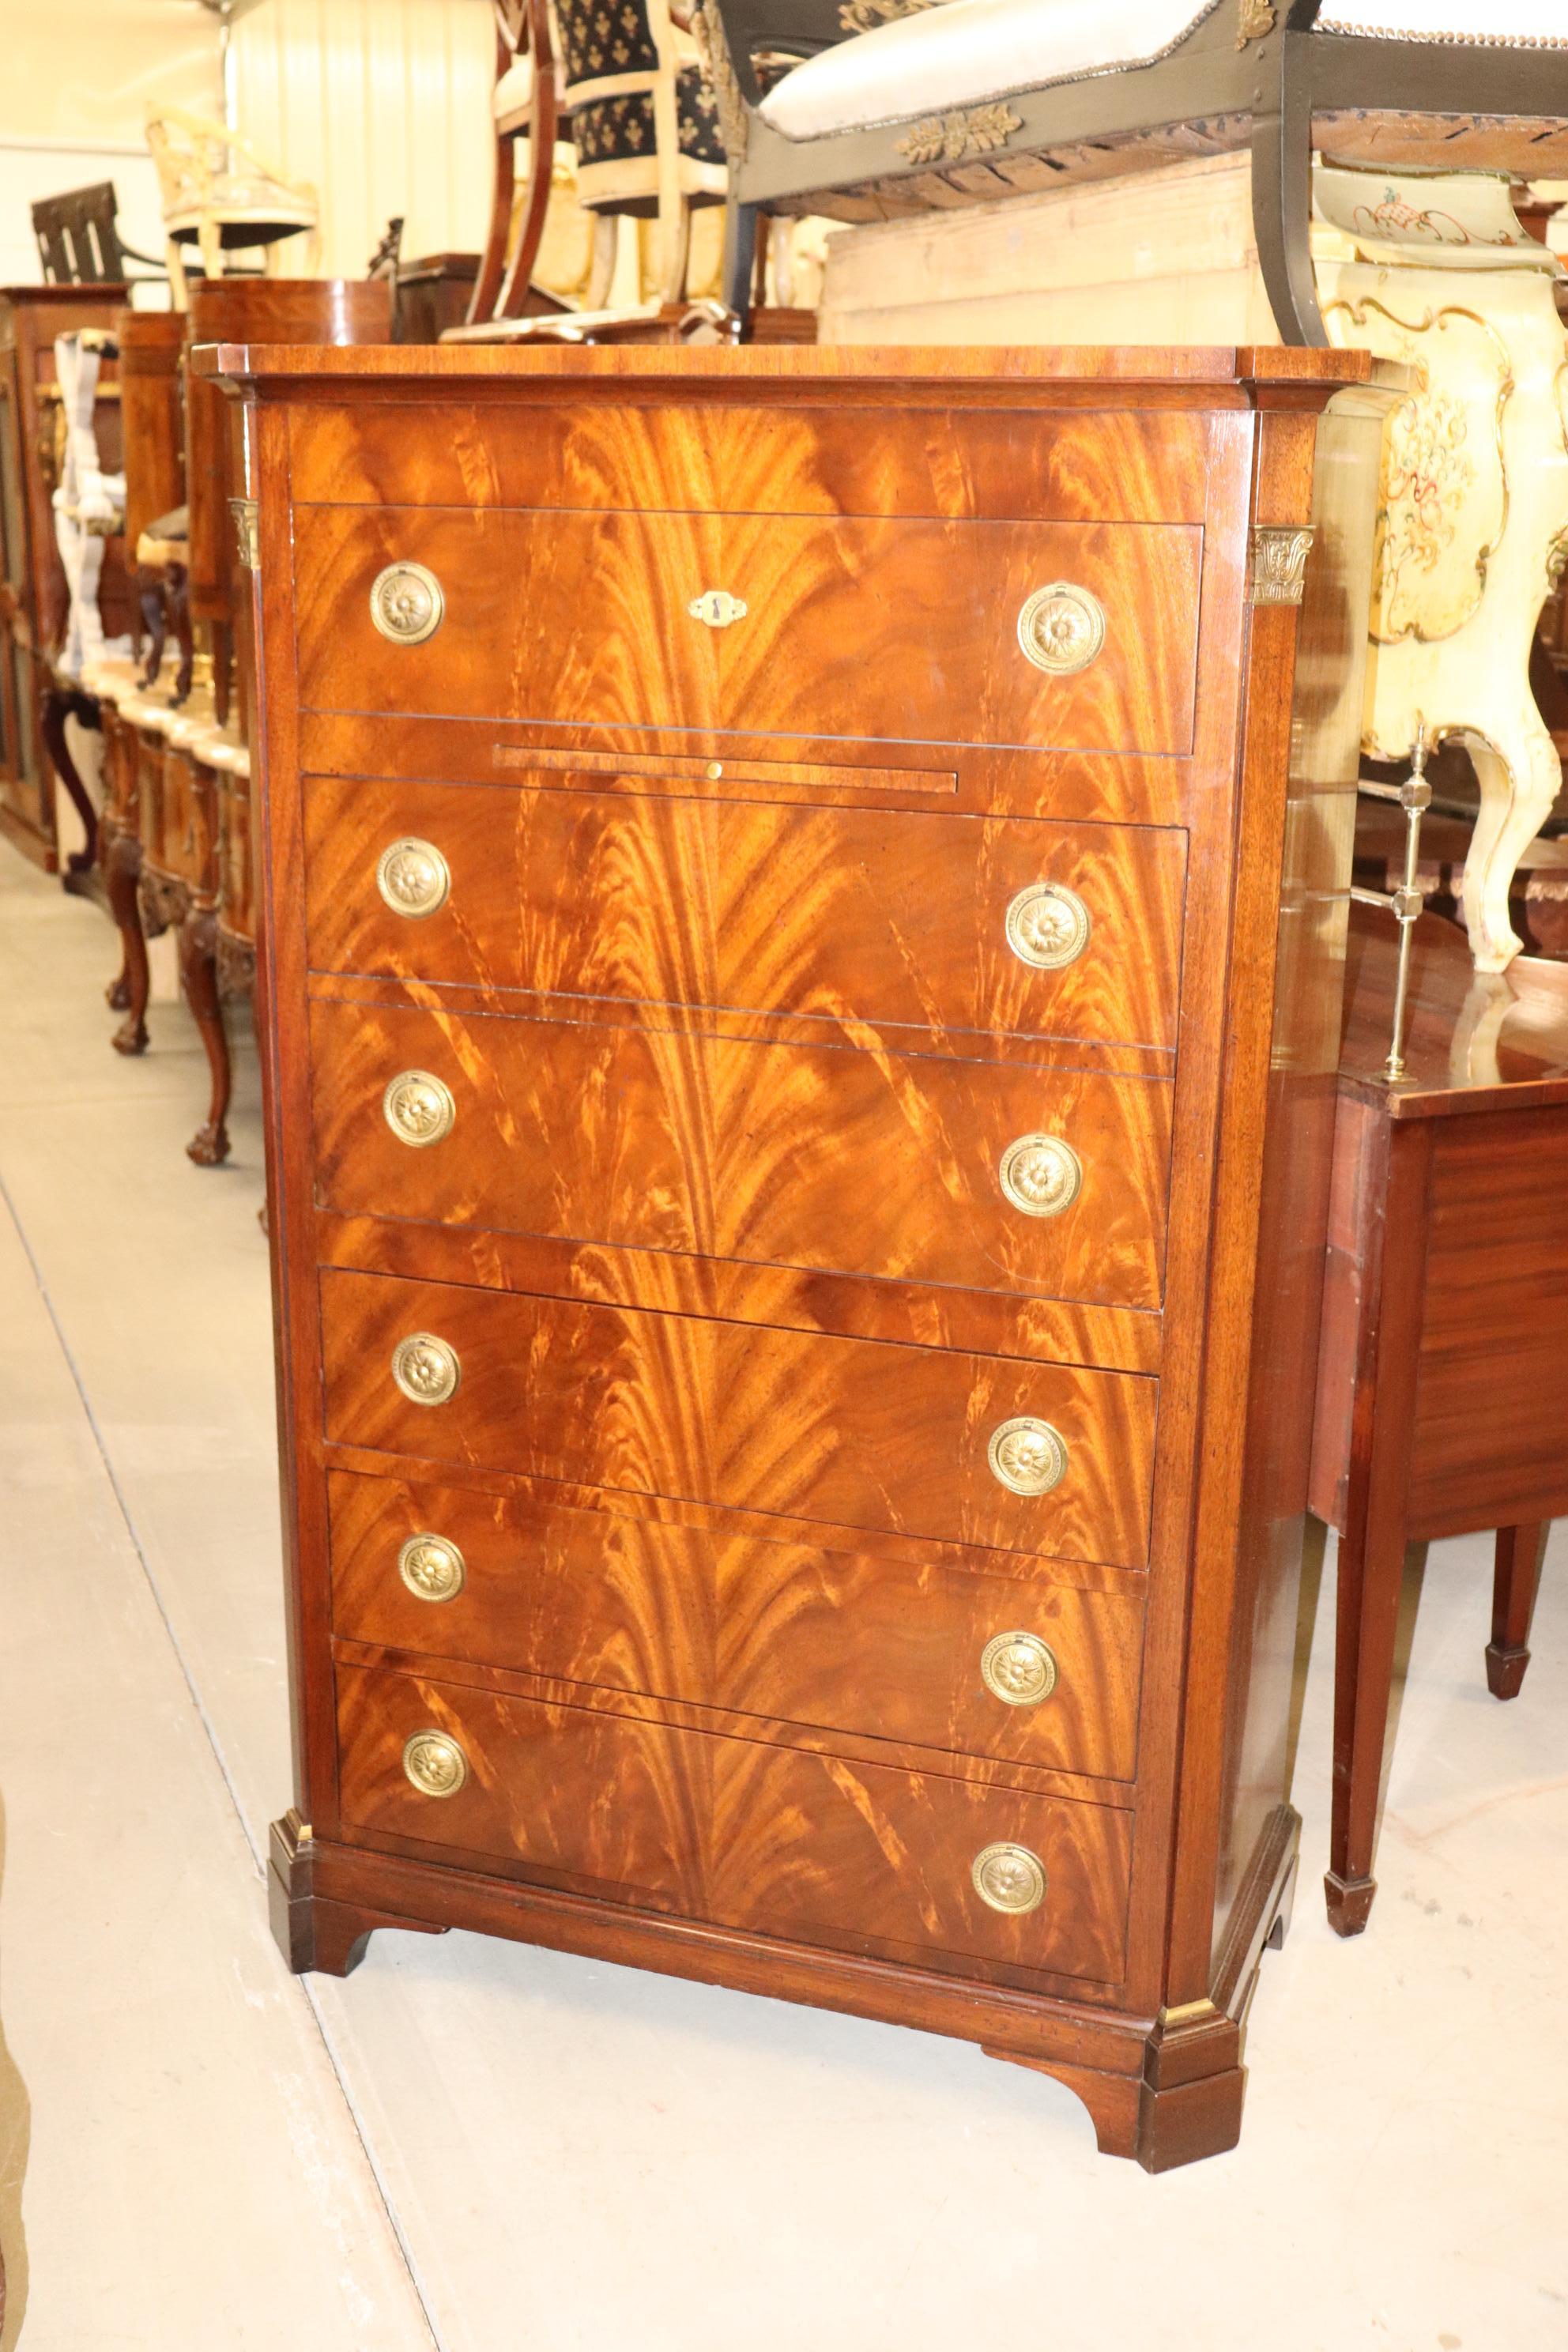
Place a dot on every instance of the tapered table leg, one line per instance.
(1372, 1548)
(1514, 1583)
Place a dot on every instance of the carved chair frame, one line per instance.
(1257, 65)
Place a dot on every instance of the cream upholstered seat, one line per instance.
(514, 95)
(969, 51)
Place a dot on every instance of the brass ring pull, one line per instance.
(1027, 1457)
(406, 604)
(425, 1369)
(432, 1568)
(413, 876)
(418, 1107)
(435, 1763)
(1047, 926)
(1018, 1668)
(1040, 1174)
(1009, 1878)
(1061, 628)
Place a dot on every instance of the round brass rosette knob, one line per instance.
(425, 1369)
(1009, 1878)
(1047, 926)
(406, 604)
(435, 1763)
(1018, 1669)
(413, 876)
(1027, 1455)
(418, 1107)
(1040, 1174)
(432, 1568)
(1062, 628)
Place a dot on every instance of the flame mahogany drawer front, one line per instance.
(736, 1831)
(944, 1658)
(851, 1431)
(995, 1175)
(872, 914)
(893, 629)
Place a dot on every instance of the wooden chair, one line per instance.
(644, 121)
(528, 106)
(873, 108)
(220, 196)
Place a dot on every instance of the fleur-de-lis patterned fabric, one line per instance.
(612, 67)
(604, 41)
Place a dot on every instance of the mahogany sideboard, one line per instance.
(1443, 1375)
(804, 925)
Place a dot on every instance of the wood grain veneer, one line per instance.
(842, 1431)
(835, 1637)
(792, 1154)
(846, 913)
(583, 618)
(748, 1836)
(721, 992)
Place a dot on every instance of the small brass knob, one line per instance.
(432, 1568)
(406, 604)
(1009, 1878)
(1062, 628)
(1040, 1174)
(435, 1764)
(1018, 1669)
(1047, 926)
(413, 876)
(1028, 1457)
(418, 1107)
(425, 1369)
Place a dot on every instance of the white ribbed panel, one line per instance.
(385, 107)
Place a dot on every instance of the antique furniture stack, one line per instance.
(34, 595)
(804, 922)
(176, 824)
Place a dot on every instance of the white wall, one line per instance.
(385, 107)
(75, 80)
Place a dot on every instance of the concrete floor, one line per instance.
(492, 2150)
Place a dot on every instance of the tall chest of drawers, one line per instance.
(804, 911)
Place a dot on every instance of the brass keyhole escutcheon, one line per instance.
(435, 1763)
(432, 1568)
(1061, 628)
(406, 604)
(418, 1107)
(425, 1369)
(1018, 1668)
(1027, 1457)
(413, 876)
(1009, 1878)
(1047, 926)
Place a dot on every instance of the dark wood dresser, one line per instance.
(798, 1225)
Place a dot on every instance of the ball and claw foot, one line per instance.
(208, 1147)
(130, 1037)
(117, 996)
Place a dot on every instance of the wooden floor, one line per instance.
(486, 2148)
